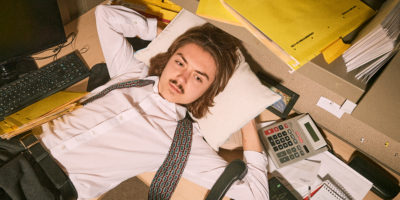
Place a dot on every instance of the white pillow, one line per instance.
(243, 98)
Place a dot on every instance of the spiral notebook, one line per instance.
(330, 190)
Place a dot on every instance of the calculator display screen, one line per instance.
(311, 131)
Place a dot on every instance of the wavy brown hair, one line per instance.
(222, 47)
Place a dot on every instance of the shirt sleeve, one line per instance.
(205, 166)
(256, 177)
(114, 23)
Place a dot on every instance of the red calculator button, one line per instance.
(269, 131)
(298, 135)
(286, 126)
(276, 129)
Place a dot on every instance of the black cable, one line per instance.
(56, 50)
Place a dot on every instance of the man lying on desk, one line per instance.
(130, 129)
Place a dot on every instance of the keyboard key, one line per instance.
(281, 154)
(306, 149)
(284, 159)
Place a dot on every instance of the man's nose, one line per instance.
(184, 76)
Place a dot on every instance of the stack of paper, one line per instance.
(39, 113)
(295, 31)
(377, 43)
(356, 186)
(163, 10)
(213, 9)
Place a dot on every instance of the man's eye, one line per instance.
(178, 63)
(198, 78)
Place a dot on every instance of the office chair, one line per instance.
(236, 170)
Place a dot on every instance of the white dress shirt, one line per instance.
(129, 131)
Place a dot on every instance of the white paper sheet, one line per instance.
(355, 184)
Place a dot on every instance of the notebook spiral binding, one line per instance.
(335, 188)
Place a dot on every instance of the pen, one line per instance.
(309, 192)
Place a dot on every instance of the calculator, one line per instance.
(292, 140)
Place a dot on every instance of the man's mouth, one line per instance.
(177, 88)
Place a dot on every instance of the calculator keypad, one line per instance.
(284, 143)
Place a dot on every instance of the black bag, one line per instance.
(31, 173)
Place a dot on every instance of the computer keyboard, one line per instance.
(47, 80)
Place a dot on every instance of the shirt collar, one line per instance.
(180, 110)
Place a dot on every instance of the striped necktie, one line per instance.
(167, 176)
(127, 84)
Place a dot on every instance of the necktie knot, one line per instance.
(187, 118)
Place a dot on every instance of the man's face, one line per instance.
(187, 75)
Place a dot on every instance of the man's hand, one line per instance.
(250, 139)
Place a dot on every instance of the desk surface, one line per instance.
(85, 28)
